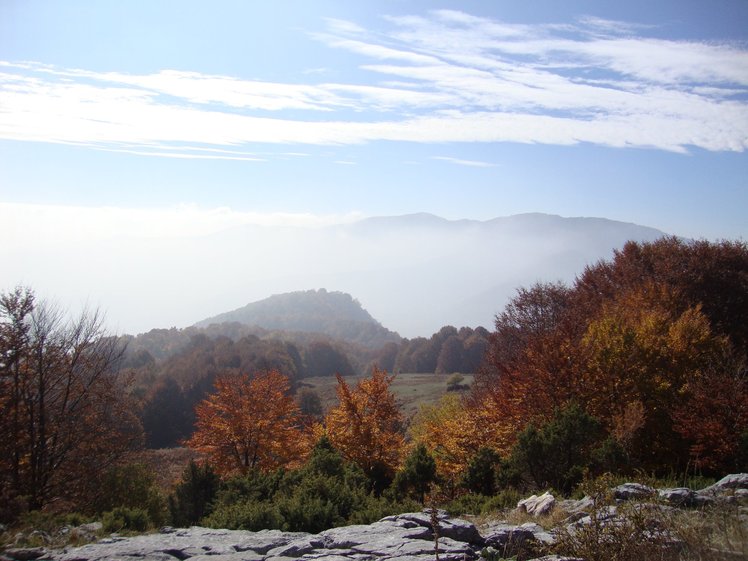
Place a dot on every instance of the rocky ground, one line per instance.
(402, 537)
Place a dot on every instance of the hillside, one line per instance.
(334, 314)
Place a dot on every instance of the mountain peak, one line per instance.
(332, 313)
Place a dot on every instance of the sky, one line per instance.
(173, 119)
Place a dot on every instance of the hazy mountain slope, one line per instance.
(335, 314)
(414, 273)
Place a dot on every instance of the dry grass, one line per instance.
(548, 521)
(718, 533)
(166, 464)
(641, 531)
(411, 390)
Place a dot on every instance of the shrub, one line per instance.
(504, 499)
(132, 486)
(326, 492)
(557, 453)
(246, 515)
(454, 382)
(480, 476)
(123, 518)
(470, 503)
(193, 496)
(417, 474)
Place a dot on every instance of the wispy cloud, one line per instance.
(461, 162)
(446, 76)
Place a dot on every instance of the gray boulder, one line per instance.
(679, 496)
(526, 541)
(182, 544)
(731, 488)
(629, 491)
(24, 553)
(537, 505)
(454, 528)
(726, 485)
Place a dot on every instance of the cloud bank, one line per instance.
(442, 77)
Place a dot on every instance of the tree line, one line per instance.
(169, 389)
(639, 365)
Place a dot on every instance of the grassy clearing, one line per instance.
(411, 390)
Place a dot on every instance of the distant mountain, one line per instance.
(414, 273)
(335, 314)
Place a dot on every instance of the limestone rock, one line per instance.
(402, 537)
(679, 496)
(454, 528)
(727, 484)
(537, 505)
(25, 553)
(517, 541)
(629, 491)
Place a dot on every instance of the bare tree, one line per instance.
(65, 416)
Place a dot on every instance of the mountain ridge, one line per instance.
(416, 272)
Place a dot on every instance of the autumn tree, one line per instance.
(453, 433)
(532, 362)
(366, 426)
(712, 414)
(323, 359)
(640, 342)
(250, 422)
(645, 349)
(64, 412)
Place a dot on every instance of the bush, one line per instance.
(417, 474)
(123, 518)
(505, 499)
(558, 453)
(326, 492)
(131, 486)
(470, 503)
(247, 515)
(480, 476)
(193, 496)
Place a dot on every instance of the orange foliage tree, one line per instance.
(531, 365)
(366, 425)
(250, 422)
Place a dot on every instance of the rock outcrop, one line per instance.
(538, 505)
(406, 536)
(398, 538)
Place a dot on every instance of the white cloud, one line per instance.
(444, 77)
(461, 162)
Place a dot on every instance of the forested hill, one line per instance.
(335, 314)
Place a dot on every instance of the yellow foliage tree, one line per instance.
(250, 422)
(443, 429)
(642, 353)
(454, 432)
(366, 425)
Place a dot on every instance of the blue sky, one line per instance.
(630, 111)
(183, 117)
